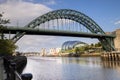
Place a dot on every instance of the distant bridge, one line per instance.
(64, 22)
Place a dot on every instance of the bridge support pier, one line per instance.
(111, 56)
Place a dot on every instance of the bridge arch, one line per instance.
(76, 16)
(67, 14)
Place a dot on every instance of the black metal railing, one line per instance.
(12, 73)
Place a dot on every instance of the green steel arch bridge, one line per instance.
(64, 22)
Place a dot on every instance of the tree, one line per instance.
(98, 44)
(92, 45)
(77, 50)
(2, 23)
(7, 47)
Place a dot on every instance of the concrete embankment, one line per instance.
(11, 67)
(5, 62)
(20, 62)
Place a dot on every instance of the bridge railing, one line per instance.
(11, 72)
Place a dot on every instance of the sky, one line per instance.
(105, 13)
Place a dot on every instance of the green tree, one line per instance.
(92, 45)
(7, 47)
(98, 44)
(77, 50)
(2, 23)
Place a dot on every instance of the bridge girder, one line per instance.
(79, 17)
(30, 31)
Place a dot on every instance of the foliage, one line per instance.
(92, 45)
(78, 50)
(95, 45)
(68, 51)
(2, 23)
(7, 47)
(98, 44)
(81, 49)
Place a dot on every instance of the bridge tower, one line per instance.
(117, 39)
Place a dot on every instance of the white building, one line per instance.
(54, 51)
(43, 52)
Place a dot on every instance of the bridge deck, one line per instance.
(30, 31)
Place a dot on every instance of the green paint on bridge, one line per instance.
(30, 31)
(64, 22)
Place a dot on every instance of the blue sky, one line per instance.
(98, 10)
(105, 13)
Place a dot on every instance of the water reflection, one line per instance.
(92, 61)
(87, 68)
(111, 64)
(83, 61)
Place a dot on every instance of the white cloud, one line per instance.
(118, 22)
(34, 40)
(22, 12)
(38, 42)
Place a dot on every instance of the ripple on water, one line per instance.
(64, 68)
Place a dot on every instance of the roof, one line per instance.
(71, 44)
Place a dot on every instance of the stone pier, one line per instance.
(111, 56)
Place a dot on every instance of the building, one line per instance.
(43, 52)
(54, 51)
(72, 44)
(117, 39)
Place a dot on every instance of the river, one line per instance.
(71, 68)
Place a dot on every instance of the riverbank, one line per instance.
(74, 55)
(91, 55)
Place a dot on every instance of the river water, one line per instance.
(71, 68)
